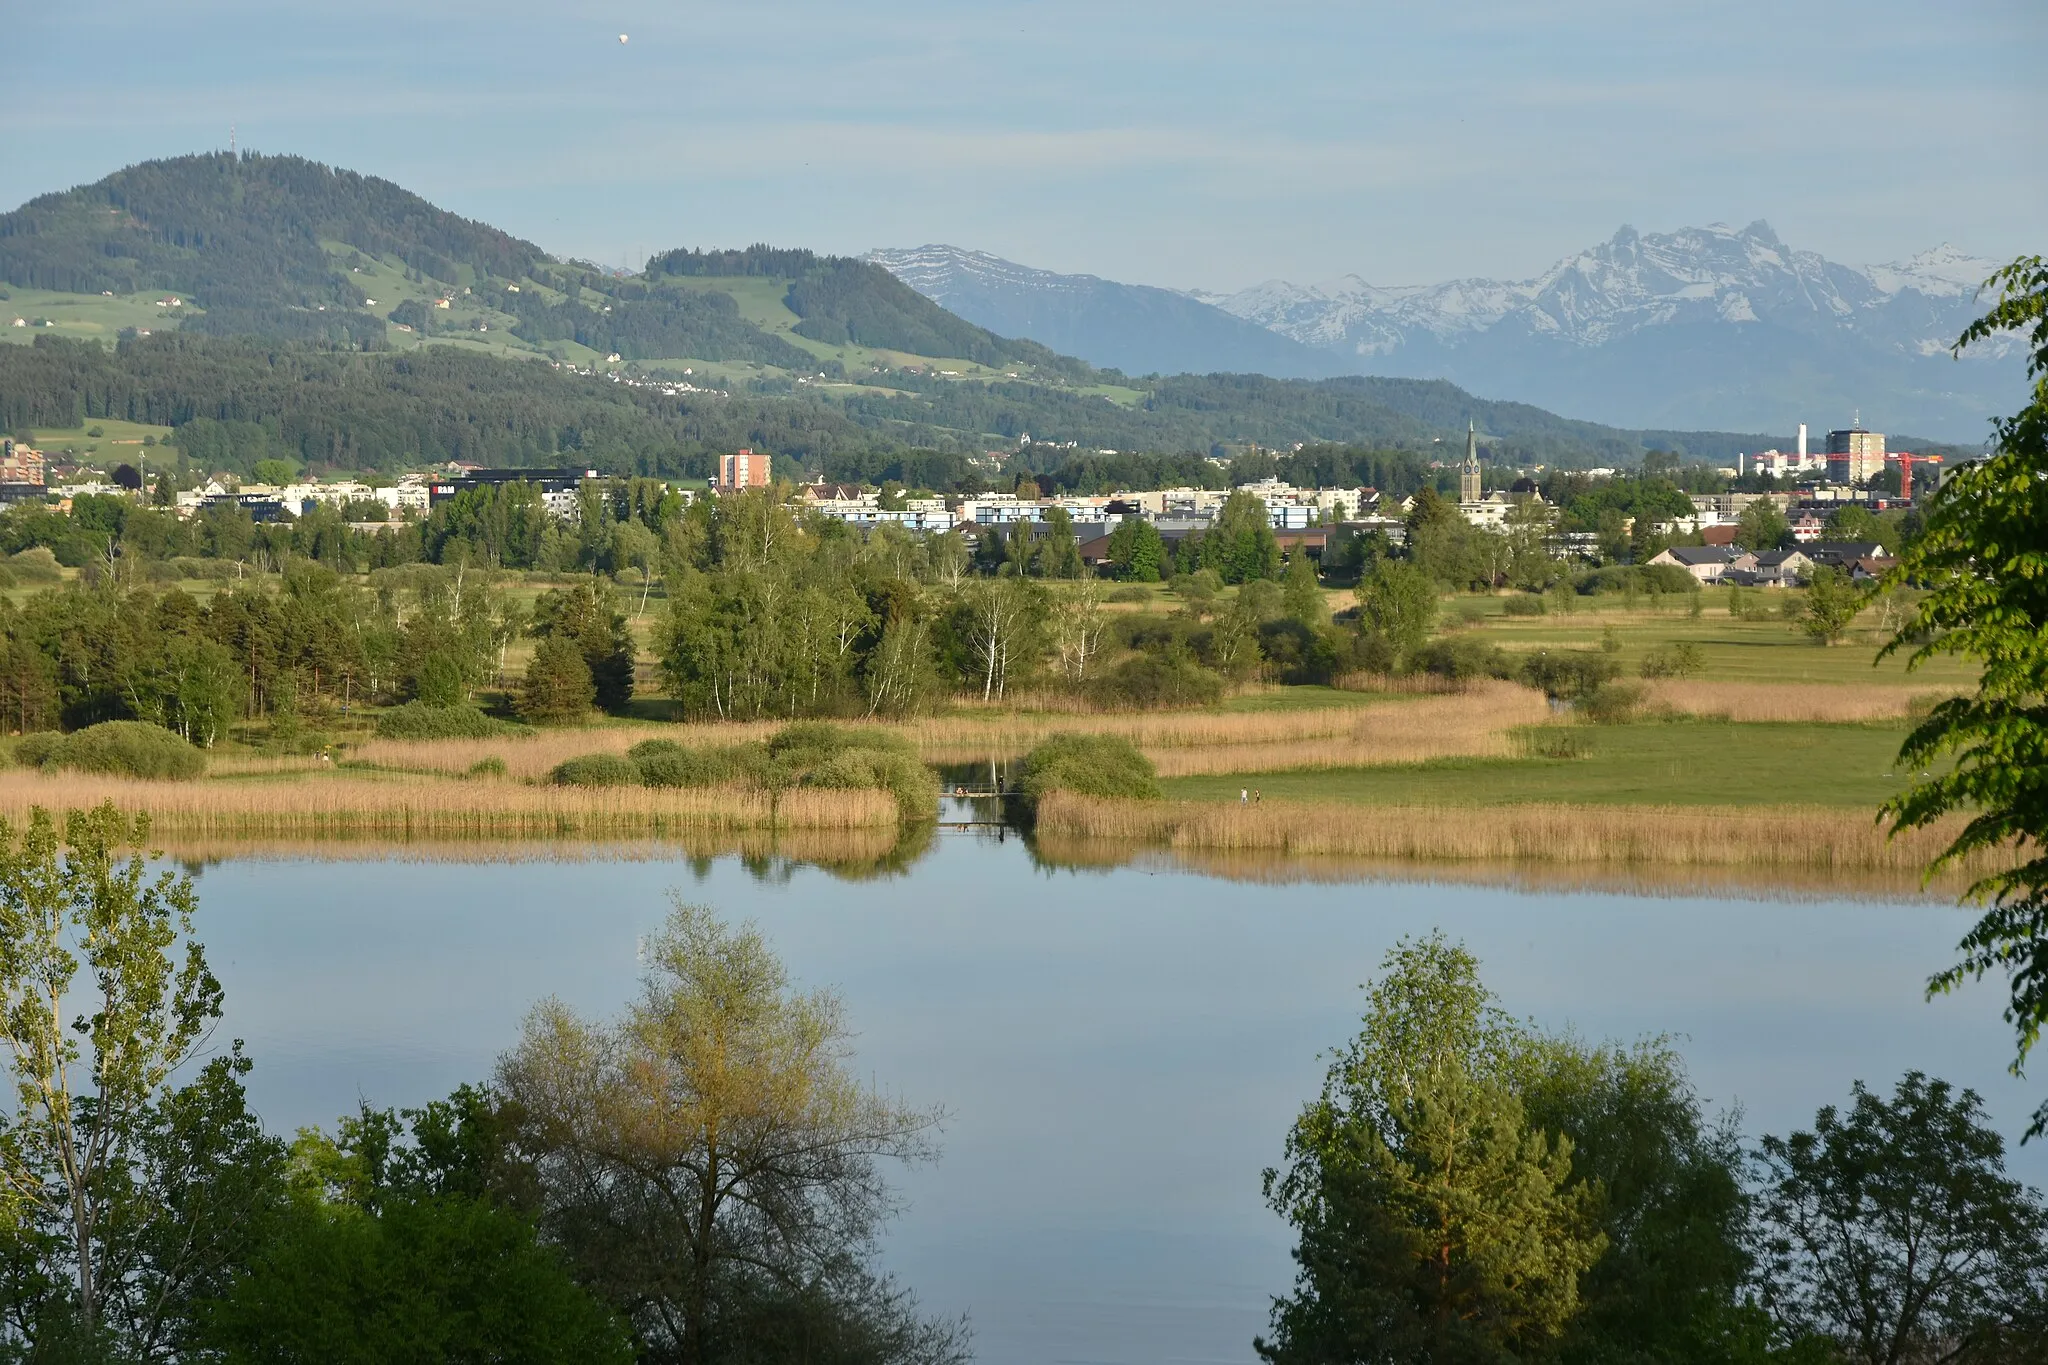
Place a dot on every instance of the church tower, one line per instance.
(1468, 477)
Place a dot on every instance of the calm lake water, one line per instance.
(1120, 1051)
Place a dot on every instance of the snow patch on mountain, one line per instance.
(1626, 284)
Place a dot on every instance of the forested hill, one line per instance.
(234, 400)
(840, 300)
(244, 234)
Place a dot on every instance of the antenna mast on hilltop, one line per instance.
(231, 139)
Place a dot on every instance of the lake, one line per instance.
(1120, 1051)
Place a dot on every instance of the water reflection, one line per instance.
(868, 854)
(1121, 1042)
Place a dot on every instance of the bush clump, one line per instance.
(1089, 765)
(1464, 658)
(1613, 703)
(124, 748)
(596, 770)
(665, 763)
(424, 720)
(1152, 681)
(1569, 674)
(1525, 605)
(1681, 660)
(802, 754)
(35, 565)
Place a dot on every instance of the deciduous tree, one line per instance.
(1984, 560)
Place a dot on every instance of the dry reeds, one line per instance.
(1707, 836)
(1825, 702)
(1408, 730)
(344, 805)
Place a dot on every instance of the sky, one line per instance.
(1186, 144)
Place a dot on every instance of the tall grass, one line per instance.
(1755, 701)
(342, 805)
(1764, 836)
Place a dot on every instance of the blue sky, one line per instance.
(1187, 144)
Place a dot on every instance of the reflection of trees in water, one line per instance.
(1274, 867)
(872, 854)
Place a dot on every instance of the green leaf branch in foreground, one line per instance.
(1983, 558)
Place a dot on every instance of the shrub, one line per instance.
(1130, 593)
(1611, 703)
(1155, 681)
(423, 720)
(1681, 660)
(1568, 674)
(665, 763)
(1525, 605)
(34, 750)
(126, 748)
(1461, 658)
(488, 767)
(596, 770)
(894, 770)
(1089, 765)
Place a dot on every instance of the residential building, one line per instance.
(743, 469)
(19, 463)
(1706, 562)
(1781, 568)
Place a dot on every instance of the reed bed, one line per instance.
(1758, 837)
(343, 805)
(1274, 867)
(1474, 722)
(1756, 701)
(1420, 726)
(829, 848)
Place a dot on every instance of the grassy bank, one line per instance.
(1756, 837)
(1673, 763)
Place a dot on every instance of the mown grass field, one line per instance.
(85, 317)
(1770, 651)
(1656, 763)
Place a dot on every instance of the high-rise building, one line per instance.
(1854, 455)
(1468, 477)
(742, 470)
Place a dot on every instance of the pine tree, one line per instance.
(557, 688)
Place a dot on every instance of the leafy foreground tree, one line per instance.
(1893, 1232)
(1668, 1193)
(1435, 1223)
(710, 1163)
(129, 1200)
(1983, 557)
(398, 1249)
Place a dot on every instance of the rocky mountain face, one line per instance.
(1708, 326)
(1133, 328)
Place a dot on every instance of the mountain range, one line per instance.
(1702, 327)
(816, 357)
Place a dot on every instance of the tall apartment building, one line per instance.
(1854, 455)
(20, 464)
(742, 470)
